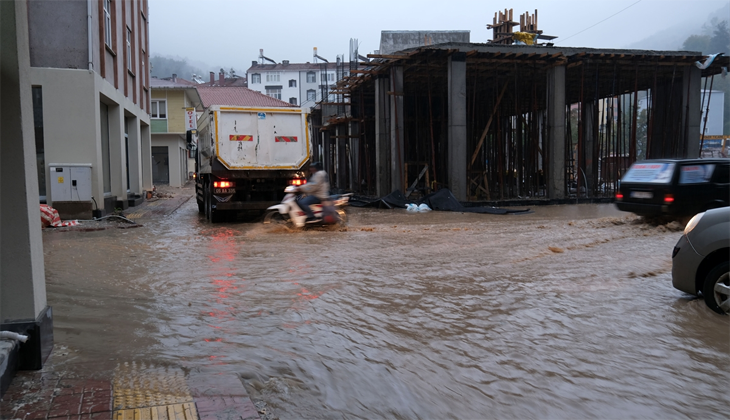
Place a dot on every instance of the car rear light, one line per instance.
(223, 184)
(297, 181)
(669, 199)
(619, 196)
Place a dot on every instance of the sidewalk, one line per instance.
(121, 390)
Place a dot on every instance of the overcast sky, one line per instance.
(231, 32)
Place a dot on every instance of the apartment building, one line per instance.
(91, 101)
(300, 84)
(175, 107)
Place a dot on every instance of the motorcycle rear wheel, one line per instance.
(273, 217)
(342, 215)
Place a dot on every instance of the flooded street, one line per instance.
(567, 312)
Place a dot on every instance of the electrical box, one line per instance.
(70, 181)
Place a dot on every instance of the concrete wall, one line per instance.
(177, 156)
(59, 33)
(72, 129)
(176, 104)
(22, 277)
(457, 156)
(392, 41)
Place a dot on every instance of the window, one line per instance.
(256, 78)
(292, 83)
(39, 144)
(108, 22)
(273, 76)
(293, 101)
(274, 92)
(129, 50)
(159, 109)
(328, 77)
(311, 95)
(311, 77)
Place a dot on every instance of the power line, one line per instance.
(596, 24)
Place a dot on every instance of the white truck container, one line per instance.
(246, 156)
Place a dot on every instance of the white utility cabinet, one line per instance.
(70, 181)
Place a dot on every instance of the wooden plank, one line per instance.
(413, 186)
(486, 129)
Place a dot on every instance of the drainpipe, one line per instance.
(89, 35)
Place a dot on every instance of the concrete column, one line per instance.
(341, 157)
(354, 156)
(146, 156)
(589, 143)
(555, 173)
(22, 278)
(135, 156)
(457, 156)
(397, 132)
(382, 137)
(692, 111)
(117, 155)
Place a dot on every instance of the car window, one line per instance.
(722, 174)
(655, 173)
(696, 174)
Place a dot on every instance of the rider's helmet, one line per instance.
(316, 165)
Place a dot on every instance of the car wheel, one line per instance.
(716, 290)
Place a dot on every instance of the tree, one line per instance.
(166, 67)
(720, 41)
(699, 43)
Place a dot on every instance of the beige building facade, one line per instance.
(91, 101)
(174, 111)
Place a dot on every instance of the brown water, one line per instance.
(567, 312)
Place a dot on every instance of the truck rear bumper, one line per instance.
(239, 205)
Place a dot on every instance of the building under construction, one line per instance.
(500, 121)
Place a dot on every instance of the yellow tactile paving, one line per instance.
(135, 215)
(185, 411)
(147, 392)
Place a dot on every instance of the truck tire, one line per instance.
(212, 214)
(206, 201)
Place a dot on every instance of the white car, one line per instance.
(701, 259)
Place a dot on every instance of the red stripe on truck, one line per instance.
(286, 139)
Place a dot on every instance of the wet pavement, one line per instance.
(567, 312)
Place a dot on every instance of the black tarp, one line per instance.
(441, 200)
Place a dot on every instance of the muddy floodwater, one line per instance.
(567, 312)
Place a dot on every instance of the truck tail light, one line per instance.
(223, 184)
(619, 196)
(297, 181)
(669, 199)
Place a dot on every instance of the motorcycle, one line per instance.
(288, 211)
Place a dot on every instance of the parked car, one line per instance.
(701, 259)
(673, 187)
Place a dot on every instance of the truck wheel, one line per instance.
(213, 215)
(716, 290)
(206, 201)
(201, 206)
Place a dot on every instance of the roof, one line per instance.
(291, 67)
(169, 84)
(179, 84)
(228, 81)
(236, 96)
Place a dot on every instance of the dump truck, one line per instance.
(246, 157)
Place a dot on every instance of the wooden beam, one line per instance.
(486, 129)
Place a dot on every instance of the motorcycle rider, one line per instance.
(316, 189)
